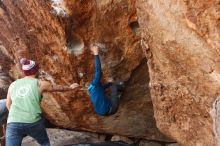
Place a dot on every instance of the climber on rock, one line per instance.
(23, 103)
(103, 105)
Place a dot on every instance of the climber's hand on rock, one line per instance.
(95, 49)
(110, 80)
(74, 85)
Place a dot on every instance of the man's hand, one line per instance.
(95, 50)
(74, 85)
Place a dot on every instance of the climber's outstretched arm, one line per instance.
(97, 76)
(46, 86)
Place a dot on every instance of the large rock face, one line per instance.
(181, 42)
(57, 34)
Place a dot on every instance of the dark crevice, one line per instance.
(48, 124)
(108, 137)
(134, 26)
(137, 69)
(75, 44)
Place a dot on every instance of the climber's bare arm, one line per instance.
(8, 100)
(46, 86)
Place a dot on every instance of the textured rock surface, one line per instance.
(60, 137)
(5, 80)
(57, 34)
(147, 143)
(183, 37)
(122, 138)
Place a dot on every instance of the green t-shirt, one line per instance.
(25, 96)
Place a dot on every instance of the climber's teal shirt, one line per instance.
(96, 91)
